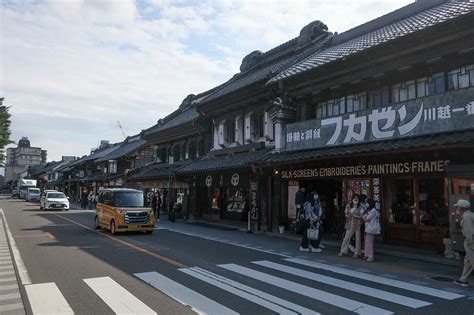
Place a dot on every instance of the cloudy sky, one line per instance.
(70, 69)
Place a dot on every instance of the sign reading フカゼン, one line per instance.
(439, 113)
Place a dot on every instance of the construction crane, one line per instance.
(121, 129)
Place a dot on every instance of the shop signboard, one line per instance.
(433, 114)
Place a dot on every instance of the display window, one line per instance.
(235, 198)
(402, 207)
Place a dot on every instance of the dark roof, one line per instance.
(464, 137)
(96, 154)
(274, 61)
(214, 163)
(122, 150)
(390, 31)
(155, 170)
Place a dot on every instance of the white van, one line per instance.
(33, 194)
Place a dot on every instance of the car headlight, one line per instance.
(120, 211)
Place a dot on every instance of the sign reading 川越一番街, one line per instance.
(450, 111)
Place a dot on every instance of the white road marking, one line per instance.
(198, 302)
(45, 298)
(256, 296)
(23, 273)
(4, 273)
(9, 296)
(8, 287)
(377, 279)
(325, 297)
(223, 241)
(8, 279)
(117, 297)
(11, 307)
(354, 287)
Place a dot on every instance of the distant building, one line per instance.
(20, 158)
(2, 181)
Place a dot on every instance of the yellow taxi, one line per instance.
(122, 210)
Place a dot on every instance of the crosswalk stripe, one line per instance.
(45, 298)
(354, 287)
(198, 302)
(8, 279)
(11, 307)
(117, 297)
(8, 287)
(325, 297)
(4, 273)
(9, 296)
(377, 279)
(259, 297)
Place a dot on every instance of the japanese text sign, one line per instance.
(445, 112)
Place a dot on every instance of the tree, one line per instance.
(4, 130)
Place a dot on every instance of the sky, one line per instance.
(71, 69)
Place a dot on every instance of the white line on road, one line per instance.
(354, 287)
(117, 297)
(8, 287)
(11, 307)
(198, 302)
(45, 298)
(222, 241)
(8, 279)
(256, 296)
(10, 296)
(23, 273)
(377, 279)
(325, 297)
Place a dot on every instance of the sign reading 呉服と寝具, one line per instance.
(446, 112)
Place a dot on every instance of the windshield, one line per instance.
(25, 187)
(34, 191)
(128, 199)
(56, 195)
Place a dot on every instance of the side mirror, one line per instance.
(68, 198)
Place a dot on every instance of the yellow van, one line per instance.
(122, 210)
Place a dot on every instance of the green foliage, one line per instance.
(4, 130)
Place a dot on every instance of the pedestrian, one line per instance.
(85, 195)
(311, 219)
(320, 213)
(300, 212)
(354, 212)
(372, 228)
(158, 206)
(463, 209)
(90, 199)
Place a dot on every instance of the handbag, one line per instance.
(313, 232)
(373, 227)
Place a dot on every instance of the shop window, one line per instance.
(432, 85)
(433, 202)
(404, 91)
(192, 150)
(402, 210)
(259, 126)
(176, 153)
(215, 196)
(235, 199)
(378, 97)
(460, 78)
(112, 167)
(230, 134)
(356, 102)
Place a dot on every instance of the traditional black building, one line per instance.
(385, 109)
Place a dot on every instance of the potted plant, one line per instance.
(281, 224)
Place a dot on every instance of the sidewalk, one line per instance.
(430, 256)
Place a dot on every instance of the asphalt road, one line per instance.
(183, 269)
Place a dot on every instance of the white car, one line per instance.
(54, 200)
(33, 194)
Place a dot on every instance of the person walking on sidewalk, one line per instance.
(299, 205)
(463, 208)
(310, 218)
(354, 212)
(84, 196)
(372, 228)
(90, 199)
(318, 209)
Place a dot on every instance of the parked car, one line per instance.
(33, 194)
(54, 200)
(121, 210)
(15, 193)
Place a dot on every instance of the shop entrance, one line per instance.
(330, 195)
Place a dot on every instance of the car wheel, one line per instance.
(148, 232)
(112, 228)
(97, 225)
